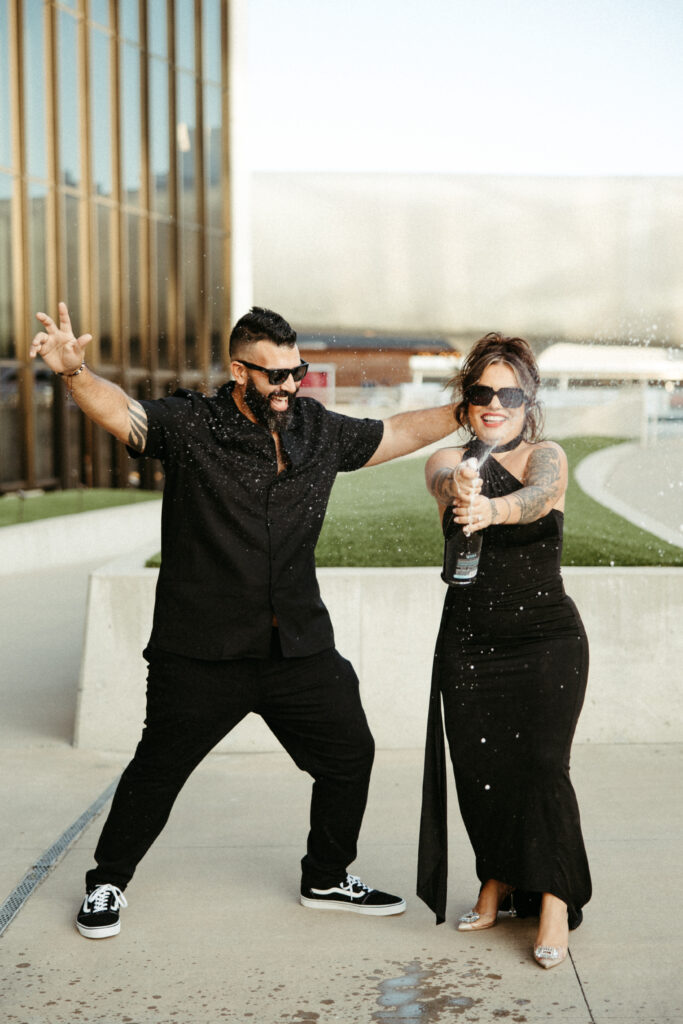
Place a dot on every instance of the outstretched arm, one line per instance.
(545, 483)
(101, 401)
(408, 431)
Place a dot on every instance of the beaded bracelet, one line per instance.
(80, 369)
(68, 377)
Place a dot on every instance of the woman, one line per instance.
(510, 665)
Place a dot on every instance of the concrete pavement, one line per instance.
(214, 932)
(645, 485)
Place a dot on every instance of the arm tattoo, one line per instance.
(441, 485)
(137, 422)
(542, 486)
(531, 503)
(496, 510)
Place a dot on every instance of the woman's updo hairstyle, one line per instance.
(517, 354)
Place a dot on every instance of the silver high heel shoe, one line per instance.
(550, 956)
(469, 922)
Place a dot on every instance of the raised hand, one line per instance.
(59, 347)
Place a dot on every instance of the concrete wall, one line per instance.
(386, 622)
(83, 537)
(579, 257)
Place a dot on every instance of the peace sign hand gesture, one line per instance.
(60, 348)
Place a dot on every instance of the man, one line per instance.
(239, 624)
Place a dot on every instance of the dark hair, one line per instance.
(517, 354)
(261, 324)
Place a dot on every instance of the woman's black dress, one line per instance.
(510, 665)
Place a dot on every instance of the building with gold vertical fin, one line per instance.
(115, 195)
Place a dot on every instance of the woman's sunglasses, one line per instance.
(280, 375)
(509, 398)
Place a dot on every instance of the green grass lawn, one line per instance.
(14, 509)
(383, 516)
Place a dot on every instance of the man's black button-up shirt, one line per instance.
(238, 538)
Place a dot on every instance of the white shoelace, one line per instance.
(99, 899)
(354, 880)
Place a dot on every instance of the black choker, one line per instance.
(476, 448)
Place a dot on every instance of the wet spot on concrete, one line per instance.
(428, 993)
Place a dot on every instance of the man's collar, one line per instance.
(289, 439)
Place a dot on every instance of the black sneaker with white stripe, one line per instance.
(354, 895)
(98, 918)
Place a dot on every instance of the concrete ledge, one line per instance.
(386, 621)
(82, 537)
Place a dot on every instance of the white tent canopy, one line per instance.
(566, 361)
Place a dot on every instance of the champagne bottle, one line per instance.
(462, 549)
(460, 555)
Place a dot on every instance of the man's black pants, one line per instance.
(313, 707)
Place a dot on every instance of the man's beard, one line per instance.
(274, 420)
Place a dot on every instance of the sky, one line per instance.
(578, 87)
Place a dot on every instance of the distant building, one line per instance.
(115, 195)
(372, 359)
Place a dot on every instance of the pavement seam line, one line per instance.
(585, 998)
(48, 860)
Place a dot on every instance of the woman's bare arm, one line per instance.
(450, 479)
(545, 484)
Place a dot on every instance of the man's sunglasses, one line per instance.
(481, 394)
(280, 375)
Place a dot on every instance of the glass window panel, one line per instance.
(10, 429)
(211, 39)
(186, 147)
(34, 86)
(73, 4)
(37, 248)
(99, 12)
(216, 297)
(164, 284)
(131, 167)
(67, 73)
(45, 432)
(129, 20)
(72, 296)
(100, 112)
(157, 39)
(159, 135)
(5, 122)
(212, 154)
(190, 276)
(74, 433)
(103, 243)
(184, 34)
(7, 349)
(132, 289)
